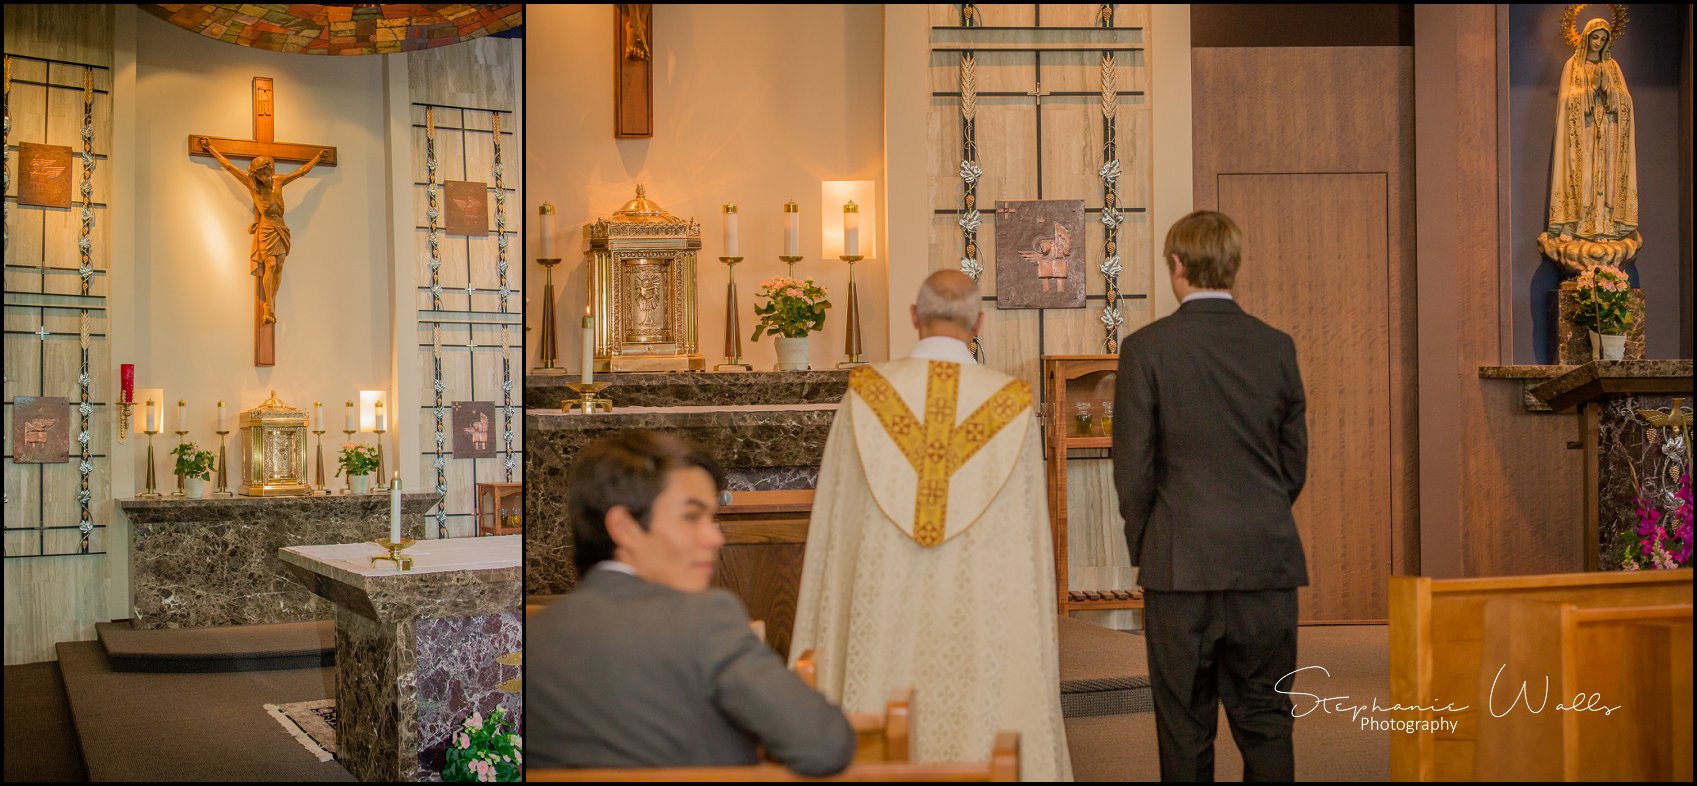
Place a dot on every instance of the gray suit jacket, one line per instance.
(1210, 451)
(626, 673)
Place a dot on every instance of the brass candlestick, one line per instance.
(851, 345)
(182, 490)
(382, 477)
(589, 401)
(348, 478)
(125, 412)
(791, 262)
(150, 492)
(733, 331)
(402, 562)
(318, 488)
(223, 475)
(550, 349)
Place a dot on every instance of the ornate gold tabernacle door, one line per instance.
(642, 288)
(273, 442)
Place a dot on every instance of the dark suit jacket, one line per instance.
(626, 673)
(1210, 450)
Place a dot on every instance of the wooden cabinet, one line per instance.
(500, 508)
(1069, 380)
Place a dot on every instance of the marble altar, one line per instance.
(204, 562)
(417, 652)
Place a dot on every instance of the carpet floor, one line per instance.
(189, 727)
(41, 741)
(1328, 747)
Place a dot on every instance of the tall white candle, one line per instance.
(382, 419)
(851, 229)
(182, 415)
(395, 509)
(152, 422)
(792, 229)
(352, 420)
(588, 375)
(220, 420)
(731, 246)
(545, 232)
(318, 416)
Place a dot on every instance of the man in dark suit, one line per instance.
(1210, 452)
(643, 665)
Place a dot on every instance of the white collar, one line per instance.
(615, 566)
(944, 348)
(1207, 294)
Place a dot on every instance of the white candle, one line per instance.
(395, 509)
(792, 229)
(545, 232)
(220, 420)
(731, 246)
(382, 419)
(851, 229)
(353, 420)
(318, 416)
(182, 415)
(151, 423)
(588, 347)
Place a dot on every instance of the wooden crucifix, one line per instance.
(633, 70)
(265, 186)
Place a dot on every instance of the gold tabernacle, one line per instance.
(273, 440)
(642, 289)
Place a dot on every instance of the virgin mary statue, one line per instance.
(1593, 174)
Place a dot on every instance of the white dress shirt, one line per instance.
(1215, 294)
(615, 566)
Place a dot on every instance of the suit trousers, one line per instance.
(1211, 647)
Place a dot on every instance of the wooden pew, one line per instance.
(886, 738)
(1620, 675)
(1437, 647)
(1003, 767)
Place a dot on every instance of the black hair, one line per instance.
(626, 468)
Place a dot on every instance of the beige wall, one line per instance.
(191, 306)
(752, 105)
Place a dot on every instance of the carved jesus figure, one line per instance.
(270, 234)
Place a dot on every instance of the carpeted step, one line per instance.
(1103, 671)
(41, 740)
(189, 727)
(283, 645)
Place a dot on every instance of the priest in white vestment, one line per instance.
(929, 561)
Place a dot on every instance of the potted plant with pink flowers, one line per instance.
(1605, 308)
(793, 309)
(484, 749)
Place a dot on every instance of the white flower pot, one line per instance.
(194, 488)
(792, 353)
(1614, 347)
(361, 483)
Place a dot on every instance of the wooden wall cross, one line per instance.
(633, 70)
(270, 233)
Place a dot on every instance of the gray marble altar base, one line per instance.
(199, 563)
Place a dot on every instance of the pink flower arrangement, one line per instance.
(793, 307)
(484, 750)
(1605, 300)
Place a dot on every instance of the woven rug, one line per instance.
(311, 723)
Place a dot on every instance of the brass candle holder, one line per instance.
(182, 489)
(126, 411)
(403, 562)
(851, 344)
(382, 483)
(733, 329)
(150, 492)
(791, 262)
(223, 474)
(318, 488)
(550, 347)
(589, 401)
(348, 479)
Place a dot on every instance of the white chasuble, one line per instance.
(929, 563)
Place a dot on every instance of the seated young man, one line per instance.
(642, 665)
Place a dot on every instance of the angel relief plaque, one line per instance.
(468, 208)
(1040, 254)
(44, 175)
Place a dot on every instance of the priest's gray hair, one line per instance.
(950, 296)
